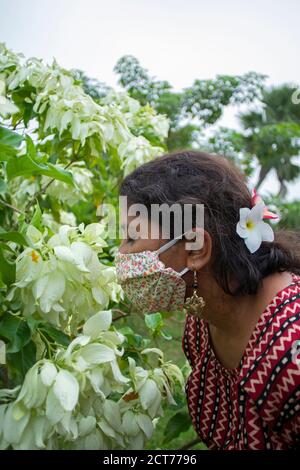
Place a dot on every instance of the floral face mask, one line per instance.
(148, 284)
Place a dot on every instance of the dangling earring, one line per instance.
(195, 304)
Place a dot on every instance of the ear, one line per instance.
(198, 249)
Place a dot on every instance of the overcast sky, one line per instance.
(175, 40)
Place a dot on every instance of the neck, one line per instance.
(236, 316)
(231, 320)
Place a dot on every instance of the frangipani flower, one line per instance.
(257, 199)
(252, 228)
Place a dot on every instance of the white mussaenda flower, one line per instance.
(136, 151)
(62, 279)
(252, 228)
(69, 401)
(58, 391)
(141, 119)
(118, 123)
(6, 106)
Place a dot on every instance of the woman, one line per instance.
(241, 293)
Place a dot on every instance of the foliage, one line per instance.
(71, 378)
(193, 109)
(273, 135)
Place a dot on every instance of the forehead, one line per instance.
(140, 226)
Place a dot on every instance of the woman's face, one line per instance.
(174, 257)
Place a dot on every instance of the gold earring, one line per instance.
(195, 304)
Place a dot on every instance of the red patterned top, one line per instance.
(257, 405)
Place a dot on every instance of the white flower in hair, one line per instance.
(252, 228)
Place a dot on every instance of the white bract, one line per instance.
(140, 119)
(136, 151)
(67, 108)
(6, 105)
(61, 278)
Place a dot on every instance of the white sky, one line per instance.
(178, 41)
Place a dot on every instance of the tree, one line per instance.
(193, 109)
(273, 135)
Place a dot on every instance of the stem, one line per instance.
(175, 320)
(4, 203)
(190, 444)
(53, 179)
(17, 123)
(47, 343)
(44, 188)
(5, 376)
(122, 314)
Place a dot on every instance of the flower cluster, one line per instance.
(21, 189)
(83, 186)
(135, 153)
(141, 120)
(60, 278)
(62, 106)
(81, 399)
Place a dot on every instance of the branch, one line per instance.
(190, 444)
(44, 188)
(122, 314)
(4, 203)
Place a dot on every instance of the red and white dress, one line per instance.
(257, 405)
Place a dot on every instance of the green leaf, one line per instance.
(9, 143)
(56, 335)
(166, 336)
(15, 237)
(15, 330)
(177, 424)
(6, 152)
(133, 339)
(23, 360)
(7, 269)
(31, 150)
(33, 324)
(154, 321)
(10, 138)
(25, 166)
(3, 186)
(126, 330)
(2, 284)
(36, 220)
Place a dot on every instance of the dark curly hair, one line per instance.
(193, 177)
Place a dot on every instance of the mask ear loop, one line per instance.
(185, 270)
(171, 243)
